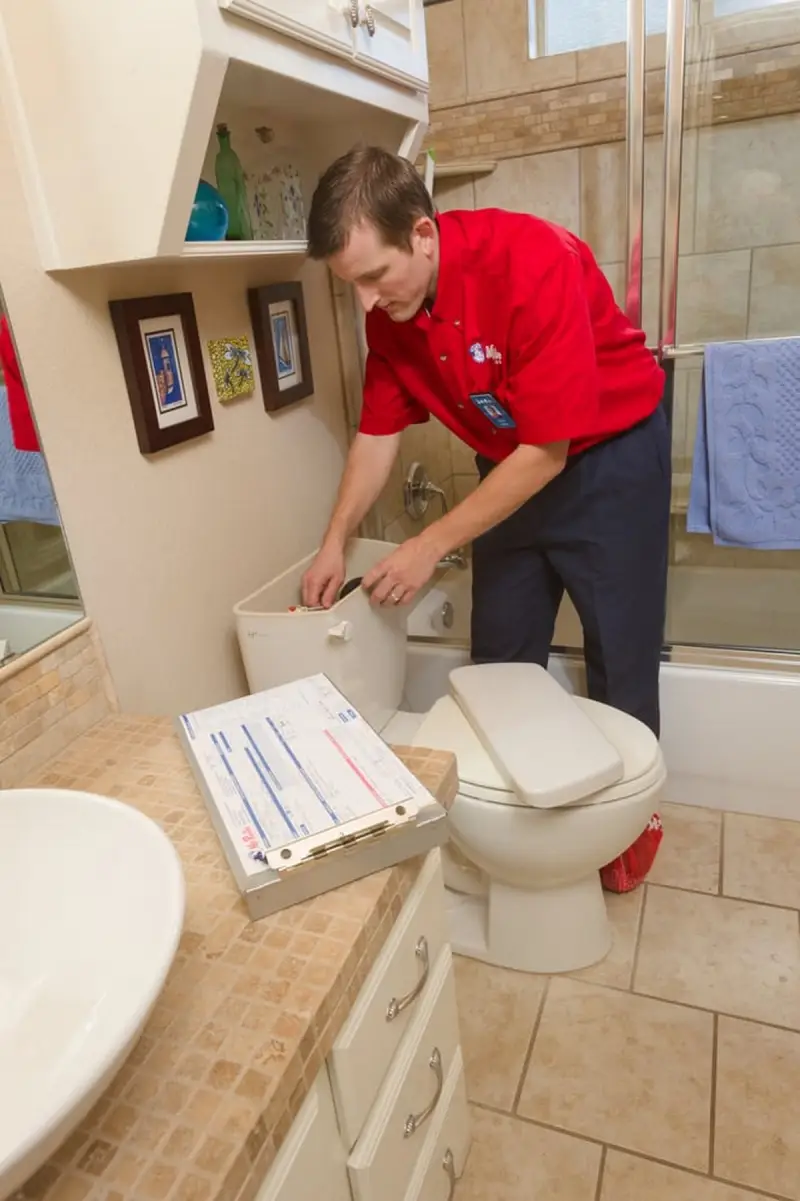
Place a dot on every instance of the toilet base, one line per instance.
(546, 930)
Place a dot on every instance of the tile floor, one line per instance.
(669, 1072)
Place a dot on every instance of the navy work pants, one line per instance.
(600, 532)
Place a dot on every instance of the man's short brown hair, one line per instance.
(367, 185)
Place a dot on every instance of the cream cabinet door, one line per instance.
(330, 24)
(311, 1164)
(390, 39)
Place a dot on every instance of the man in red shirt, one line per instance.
(504, 328)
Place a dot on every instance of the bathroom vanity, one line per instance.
(314, 1053)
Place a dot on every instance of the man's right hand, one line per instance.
(325, 576)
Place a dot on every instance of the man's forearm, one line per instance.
(525, 472)
(369, 465)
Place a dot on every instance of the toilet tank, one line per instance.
(360, 647)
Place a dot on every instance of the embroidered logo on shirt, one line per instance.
(476, 350)
(494, 354)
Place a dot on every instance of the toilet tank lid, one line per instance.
(545, 746)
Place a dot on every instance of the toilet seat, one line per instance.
(446, 727)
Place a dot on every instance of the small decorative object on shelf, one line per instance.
(278, 315)
(233, 187)
(264, 192)
(163, 367)
(231, 367)
(275, 191)
(209, 219)
(294, 214)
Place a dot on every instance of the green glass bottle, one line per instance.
(232, 187)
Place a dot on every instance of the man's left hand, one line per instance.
(397, 579)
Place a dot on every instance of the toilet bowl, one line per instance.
(551, 787)
(525, 888)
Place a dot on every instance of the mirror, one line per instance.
(38, 591)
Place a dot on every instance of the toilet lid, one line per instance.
(445, 728)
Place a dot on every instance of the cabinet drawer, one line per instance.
(386, 1154)
(363, 1051)
(311, 1162)
(445, 1152)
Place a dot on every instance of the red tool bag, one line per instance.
(630, 869)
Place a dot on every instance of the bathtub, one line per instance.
(25, 626)
(729, 720)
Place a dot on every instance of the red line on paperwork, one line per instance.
(354, 767)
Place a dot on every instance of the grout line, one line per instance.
(466, 100)
(713, 1126)
(649, 996)
(601, 1174)
(528, 1054)
(640, 927)
(623, 1150)
(721, 877)
(696, 892)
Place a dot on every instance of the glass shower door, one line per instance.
(730, 270)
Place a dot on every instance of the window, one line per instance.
(733, 8)
(560, 26)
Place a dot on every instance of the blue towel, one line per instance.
(26, 493)
(745, 487)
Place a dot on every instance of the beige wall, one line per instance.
(164, 547)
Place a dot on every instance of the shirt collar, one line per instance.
(449, 302)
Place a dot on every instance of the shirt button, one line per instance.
(461, 406)
(456, 323)
(443, 357)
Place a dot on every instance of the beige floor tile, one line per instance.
(731, 956)
(628, 1178)
(497, 1012)
(761, 860)
(690, 851)
(624, 911)
(514, 1161)
(623, 1069)
(757, 1138)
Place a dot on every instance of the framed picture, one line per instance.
(280, 336)
(163, 366)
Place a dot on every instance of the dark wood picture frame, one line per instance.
(276, 381)
(127, 316)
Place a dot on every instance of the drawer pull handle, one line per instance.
(415, 1120)
(396, 1006)
(449, 1165)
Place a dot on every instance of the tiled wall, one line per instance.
(556, 128)
(50, 696)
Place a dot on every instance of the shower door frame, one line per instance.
(668, 348)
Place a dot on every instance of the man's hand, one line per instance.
(325, 576)
(397, 579)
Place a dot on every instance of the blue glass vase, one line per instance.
(209, 219)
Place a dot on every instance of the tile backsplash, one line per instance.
(50, 696)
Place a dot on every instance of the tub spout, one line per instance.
(456, 558)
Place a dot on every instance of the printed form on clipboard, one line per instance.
(295, 772)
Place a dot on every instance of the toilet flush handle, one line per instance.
(341, 632)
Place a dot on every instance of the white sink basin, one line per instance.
(91, 912)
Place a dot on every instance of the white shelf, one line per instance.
(455, 170)
(240, 250)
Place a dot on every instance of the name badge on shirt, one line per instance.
(500, 418)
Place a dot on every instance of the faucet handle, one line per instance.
(418, 490)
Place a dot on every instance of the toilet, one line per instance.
(551, 786)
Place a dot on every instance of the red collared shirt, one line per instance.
(525, 317)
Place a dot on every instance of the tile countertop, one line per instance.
(249, 1012)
